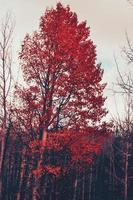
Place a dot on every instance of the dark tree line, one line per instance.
(103, 179)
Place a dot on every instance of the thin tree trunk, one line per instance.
(83, 186)
(126, 173)
(5, 80)
(75, 187)
(1, 163)
(22, 168)
(90, 184)
(4, 143)
(39, 164)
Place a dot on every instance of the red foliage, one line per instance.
(56, 171)
(64, 94)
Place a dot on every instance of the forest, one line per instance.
(56, 142)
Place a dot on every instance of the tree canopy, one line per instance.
(63, 96)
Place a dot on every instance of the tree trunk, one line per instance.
(22, 168)
(83, 186)
(39, 164)
(90, 184)
(126, 173)
(75, 187)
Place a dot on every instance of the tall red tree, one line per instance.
(63, 99)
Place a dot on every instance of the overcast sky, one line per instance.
(108, 21)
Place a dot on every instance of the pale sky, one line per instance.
(108, 21)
